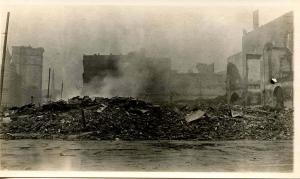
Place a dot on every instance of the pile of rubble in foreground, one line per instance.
(223, 122)
(132, 119)
(101, 118)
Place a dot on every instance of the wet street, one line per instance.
(202, 156)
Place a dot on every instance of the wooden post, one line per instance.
(3, 58)
(52, 91)
(62, 88)
(48, 92)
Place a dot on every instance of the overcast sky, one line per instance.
(187, 35)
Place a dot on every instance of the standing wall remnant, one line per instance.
(29, 66)
(267, 53)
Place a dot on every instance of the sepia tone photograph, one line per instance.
(147, 87)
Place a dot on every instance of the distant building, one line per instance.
(11, 90)
(23, 76)
(139, 76)
(151, 78)
(205, 68)
(29, 65)
(267, 53)
(190, 86)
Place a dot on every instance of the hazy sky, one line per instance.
(187, 35)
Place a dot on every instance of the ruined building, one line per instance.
(10, 94)
(29, 65)
(133, 74)
(262, 73)
(205, 68)
(23, 76)
(206, 83)
(150, 79)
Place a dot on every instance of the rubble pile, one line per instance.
(132, 119)
(101, 118)
(223, 122)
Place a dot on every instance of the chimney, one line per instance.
(255, 19)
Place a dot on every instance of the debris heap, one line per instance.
(132, 119)
(223, 122)
(101, 118)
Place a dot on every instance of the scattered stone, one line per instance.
(236, 114)
(194, 116)
(6, 120)
(123, 118)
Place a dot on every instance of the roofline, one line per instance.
(270, 22)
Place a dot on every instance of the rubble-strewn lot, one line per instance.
(132, 119)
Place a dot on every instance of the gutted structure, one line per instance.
(133, 75)
(262, 73)
(29, 65)
(23, 76)
(11, 90)
(205, 68)
(148, 78)
(204, 84)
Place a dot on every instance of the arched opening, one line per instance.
(233, 77)
(278, 97)
(234, 98)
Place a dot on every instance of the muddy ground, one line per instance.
(179, 156)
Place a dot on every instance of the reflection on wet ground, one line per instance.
(202, 156)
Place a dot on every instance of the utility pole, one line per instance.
(62, 88)
(3, 58)
(48, 93)
(52, 86)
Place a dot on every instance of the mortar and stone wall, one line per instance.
(29, 66)
(271, 45)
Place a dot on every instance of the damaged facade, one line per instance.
(206, 83)
(136, 74)
(262, 73)
(23, 76)
(10, 94)
(153, 77)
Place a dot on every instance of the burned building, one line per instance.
(206, 83)
(29, 65)
(133, 74)
(98, 67)
(147, 78)
(262, 73)
(11, 81)
(234, 78)
(23, 76)
(205, 68)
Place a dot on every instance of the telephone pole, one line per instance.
(62, 88)
(48, 92)
(3, 58)
(52, 91)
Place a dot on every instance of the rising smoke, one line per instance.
(136, 75)
(187, 35)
